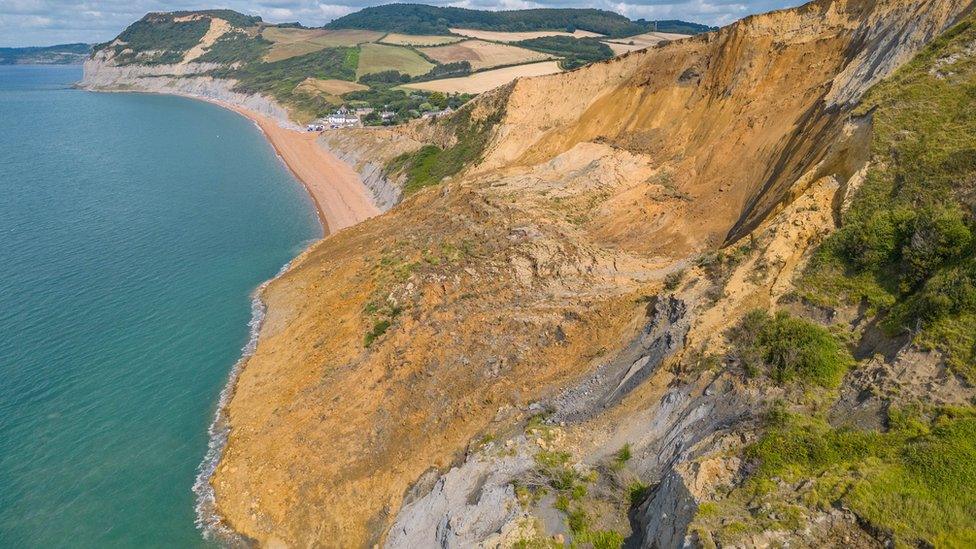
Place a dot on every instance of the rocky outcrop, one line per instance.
(468, 506)
(662, 336)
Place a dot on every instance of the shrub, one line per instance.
(789, 349)
(673, 280)
(379, 328)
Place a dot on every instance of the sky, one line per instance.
(46, 22)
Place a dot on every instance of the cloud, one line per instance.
(43, 22)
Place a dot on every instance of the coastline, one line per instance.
(335, 188)
(340, 200)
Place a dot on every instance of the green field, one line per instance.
(292, 42)
(379, 57)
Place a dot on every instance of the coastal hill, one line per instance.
(62, 54)
(423, 19)
(720, 291)
(373, 59)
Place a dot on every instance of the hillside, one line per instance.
(713, 293)
(62, 54)
(293, 71)
(423, 19)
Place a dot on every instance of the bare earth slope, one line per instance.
(392, 348)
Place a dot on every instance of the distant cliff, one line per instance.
(62, 54)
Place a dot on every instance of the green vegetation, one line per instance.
(384, 78)
(575, 52)
(579, 525)
(421, 19)
(280, 78)
(676, 26)
(387, 314)
(446, 70)
(158, 39)
(913, 481)
(554, 473)
(789, 349)
(381, 57)
(621, 457)
(673, 280)
(379, 329)
(906, 247)
(63, 54)
(235, 19)
(431, 164)
(236, 47)
(405, 105)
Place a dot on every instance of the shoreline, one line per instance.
(340, 200)
(336, 190)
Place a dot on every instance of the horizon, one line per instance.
(28, 23)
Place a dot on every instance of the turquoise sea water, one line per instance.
(133, 229)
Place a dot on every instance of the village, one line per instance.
(344, 117)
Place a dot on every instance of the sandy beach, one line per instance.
(338, 193)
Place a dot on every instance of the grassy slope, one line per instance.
(292, 42)
(906, 249)
(280, 79)
(431, 164)
(379, 57)
(906, 245)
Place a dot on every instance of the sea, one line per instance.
(134, 231)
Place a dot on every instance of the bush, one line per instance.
(390, 77)
(446, 70)
(790, 349)
(575, 52)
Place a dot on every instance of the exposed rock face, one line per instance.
(188, 79)
(368, 150)
(392, 345)
(467, 506)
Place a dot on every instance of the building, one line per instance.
(387, 116)
(437, 114)
(342, 118)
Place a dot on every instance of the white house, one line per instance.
(342, 118)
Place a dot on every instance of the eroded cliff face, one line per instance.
(393, 349)
(104, 71)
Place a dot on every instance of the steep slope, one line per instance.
(400, 348)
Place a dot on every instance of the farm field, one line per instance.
(379, 57)
(418, 40)
(484, 81)
(497, 36)
(640, 41)
(483, 55)
(330, 86)
(288, 42)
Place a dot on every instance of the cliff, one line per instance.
(546, 342)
